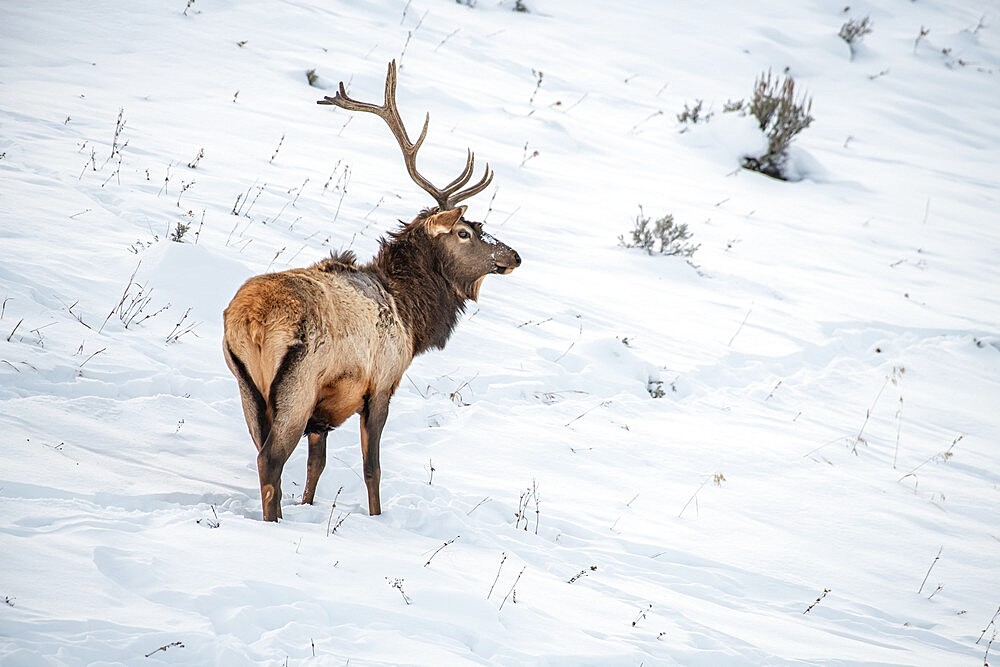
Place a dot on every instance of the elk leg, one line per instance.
(314, 465)
(270, 462)
(286, 430)
(269, 471)
(290, 414)
(373, 415)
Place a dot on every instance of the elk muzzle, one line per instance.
(505, 258)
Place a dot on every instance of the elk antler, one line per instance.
(447, 196)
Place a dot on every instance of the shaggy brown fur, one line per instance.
(311, 347)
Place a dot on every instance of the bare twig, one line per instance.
(986, 655)
(602, 404)
(14, 329)
(503, 560)
(642, 614)
(522, 508)
(897, 372)
(991, 623)
(944, 456)
(439, 549)
(933, 563)
(534, 496)
(578, 336)
(817, 601)
(340, 521)
(449, 36)
(177, 331)
(398, 585)
(693, 498)
(899, 429)
(512, 587)
(534, 322)
(211, 523)
(648, 118)
(332, 508)
(538, 84)
(119, 126)
(165, 647)
(571, 106)
(121, 301)
(93, 355)
(740, 328)
(280, 143)
(772, 391)
(486, 499)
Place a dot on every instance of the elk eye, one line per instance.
(463, 234)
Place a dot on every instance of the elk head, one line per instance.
(468, 253)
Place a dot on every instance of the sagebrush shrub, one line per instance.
(694, 114)
(852, 31)
(781, 117)
(733, 106)
(663, 236)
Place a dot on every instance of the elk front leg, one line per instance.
(314, 465)
(373, 415)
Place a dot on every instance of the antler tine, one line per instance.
(389, 112)
(483, 183)
(464, 177)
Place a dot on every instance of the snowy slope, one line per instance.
(828, 431)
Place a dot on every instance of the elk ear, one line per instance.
(443, 222)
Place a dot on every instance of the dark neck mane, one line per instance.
(416, 276)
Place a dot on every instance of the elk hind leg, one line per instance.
(286, 430)
(373, 416)
(291, 402)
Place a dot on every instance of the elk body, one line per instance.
(311, 347)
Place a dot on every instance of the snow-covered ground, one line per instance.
(818, 484)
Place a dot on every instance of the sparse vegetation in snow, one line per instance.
(723, 447)
(781, 114)
(662, 236)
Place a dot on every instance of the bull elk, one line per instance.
(311, 347)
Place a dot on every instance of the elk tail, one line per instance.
(254, 403)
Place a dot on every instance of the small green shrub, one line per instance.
(781, 117)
